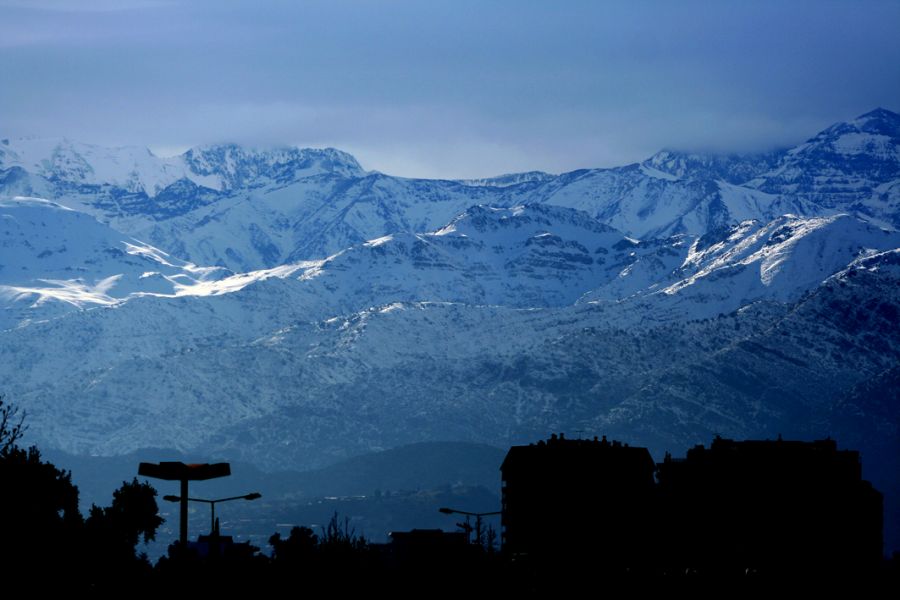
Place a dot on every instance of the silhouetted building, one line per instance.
(428, 547)
(220, 546)
(768, 506)
(569, 499)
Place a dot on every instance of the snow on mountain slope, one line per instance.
(241, 168)
(843, 166)
(137, 170)
(244, 373)
(526, 256)
(365, 310)
(883, 206)
(736, 266)
(208, 376)
(69, 163)
(780, 260)
(396, 372)
(319, 216)
(547, 256)
(731, 168)
(784, 378)
(131, 189)
(509, 179)
(249, 209)
(661, 302)
(312, 218)
(53, 259)
(646, 203)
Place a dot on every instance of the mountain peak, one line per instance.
(70, 164)
(733, 168)
(236, 165)
(842, 165)
(879, 121)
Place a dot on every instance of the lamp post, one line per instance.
(213, 530)
(467, 527)
(178, 471)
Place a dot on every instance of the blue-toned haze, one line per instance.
(447, 89)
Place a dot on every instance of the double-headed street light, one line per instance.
(178, 471)
(212, 505)
(467, 527)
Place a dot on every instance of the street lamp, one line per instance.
(467, 527)
(178, 471)
(212, 505)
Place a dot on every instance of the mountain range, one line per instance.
(288, 308)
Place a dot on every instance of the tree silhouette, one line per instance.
(337, 550)
(39, 514)
(114, 532)
(341, 536)
(299, 546)
(41, 528)
(12, 426)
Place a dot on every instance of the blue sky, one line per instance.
(447, 89)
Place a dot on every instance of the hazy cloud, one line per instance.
(461, 89)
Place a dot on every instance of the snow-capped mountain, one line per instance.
(232, 374)
(310, 219)
(287, 307)
(525, 257)
(250, 209)
(850, 167)
(70, 165)
(226, 354)
(792, 377)
(533, 256)
(776, 261)
(736, 169)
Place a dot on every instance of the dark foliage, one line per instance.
(112, 533)
(42, 531)
(12, 426)
(42, 527)
(299, 546)
(39, 508)
(338, 549)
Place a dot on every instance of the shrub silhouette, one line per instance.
(300, 546)
(43, 530)
(39, 510)
(112, 533)
(12, 426)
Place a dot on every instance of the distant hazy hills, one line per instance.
(420, 466)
